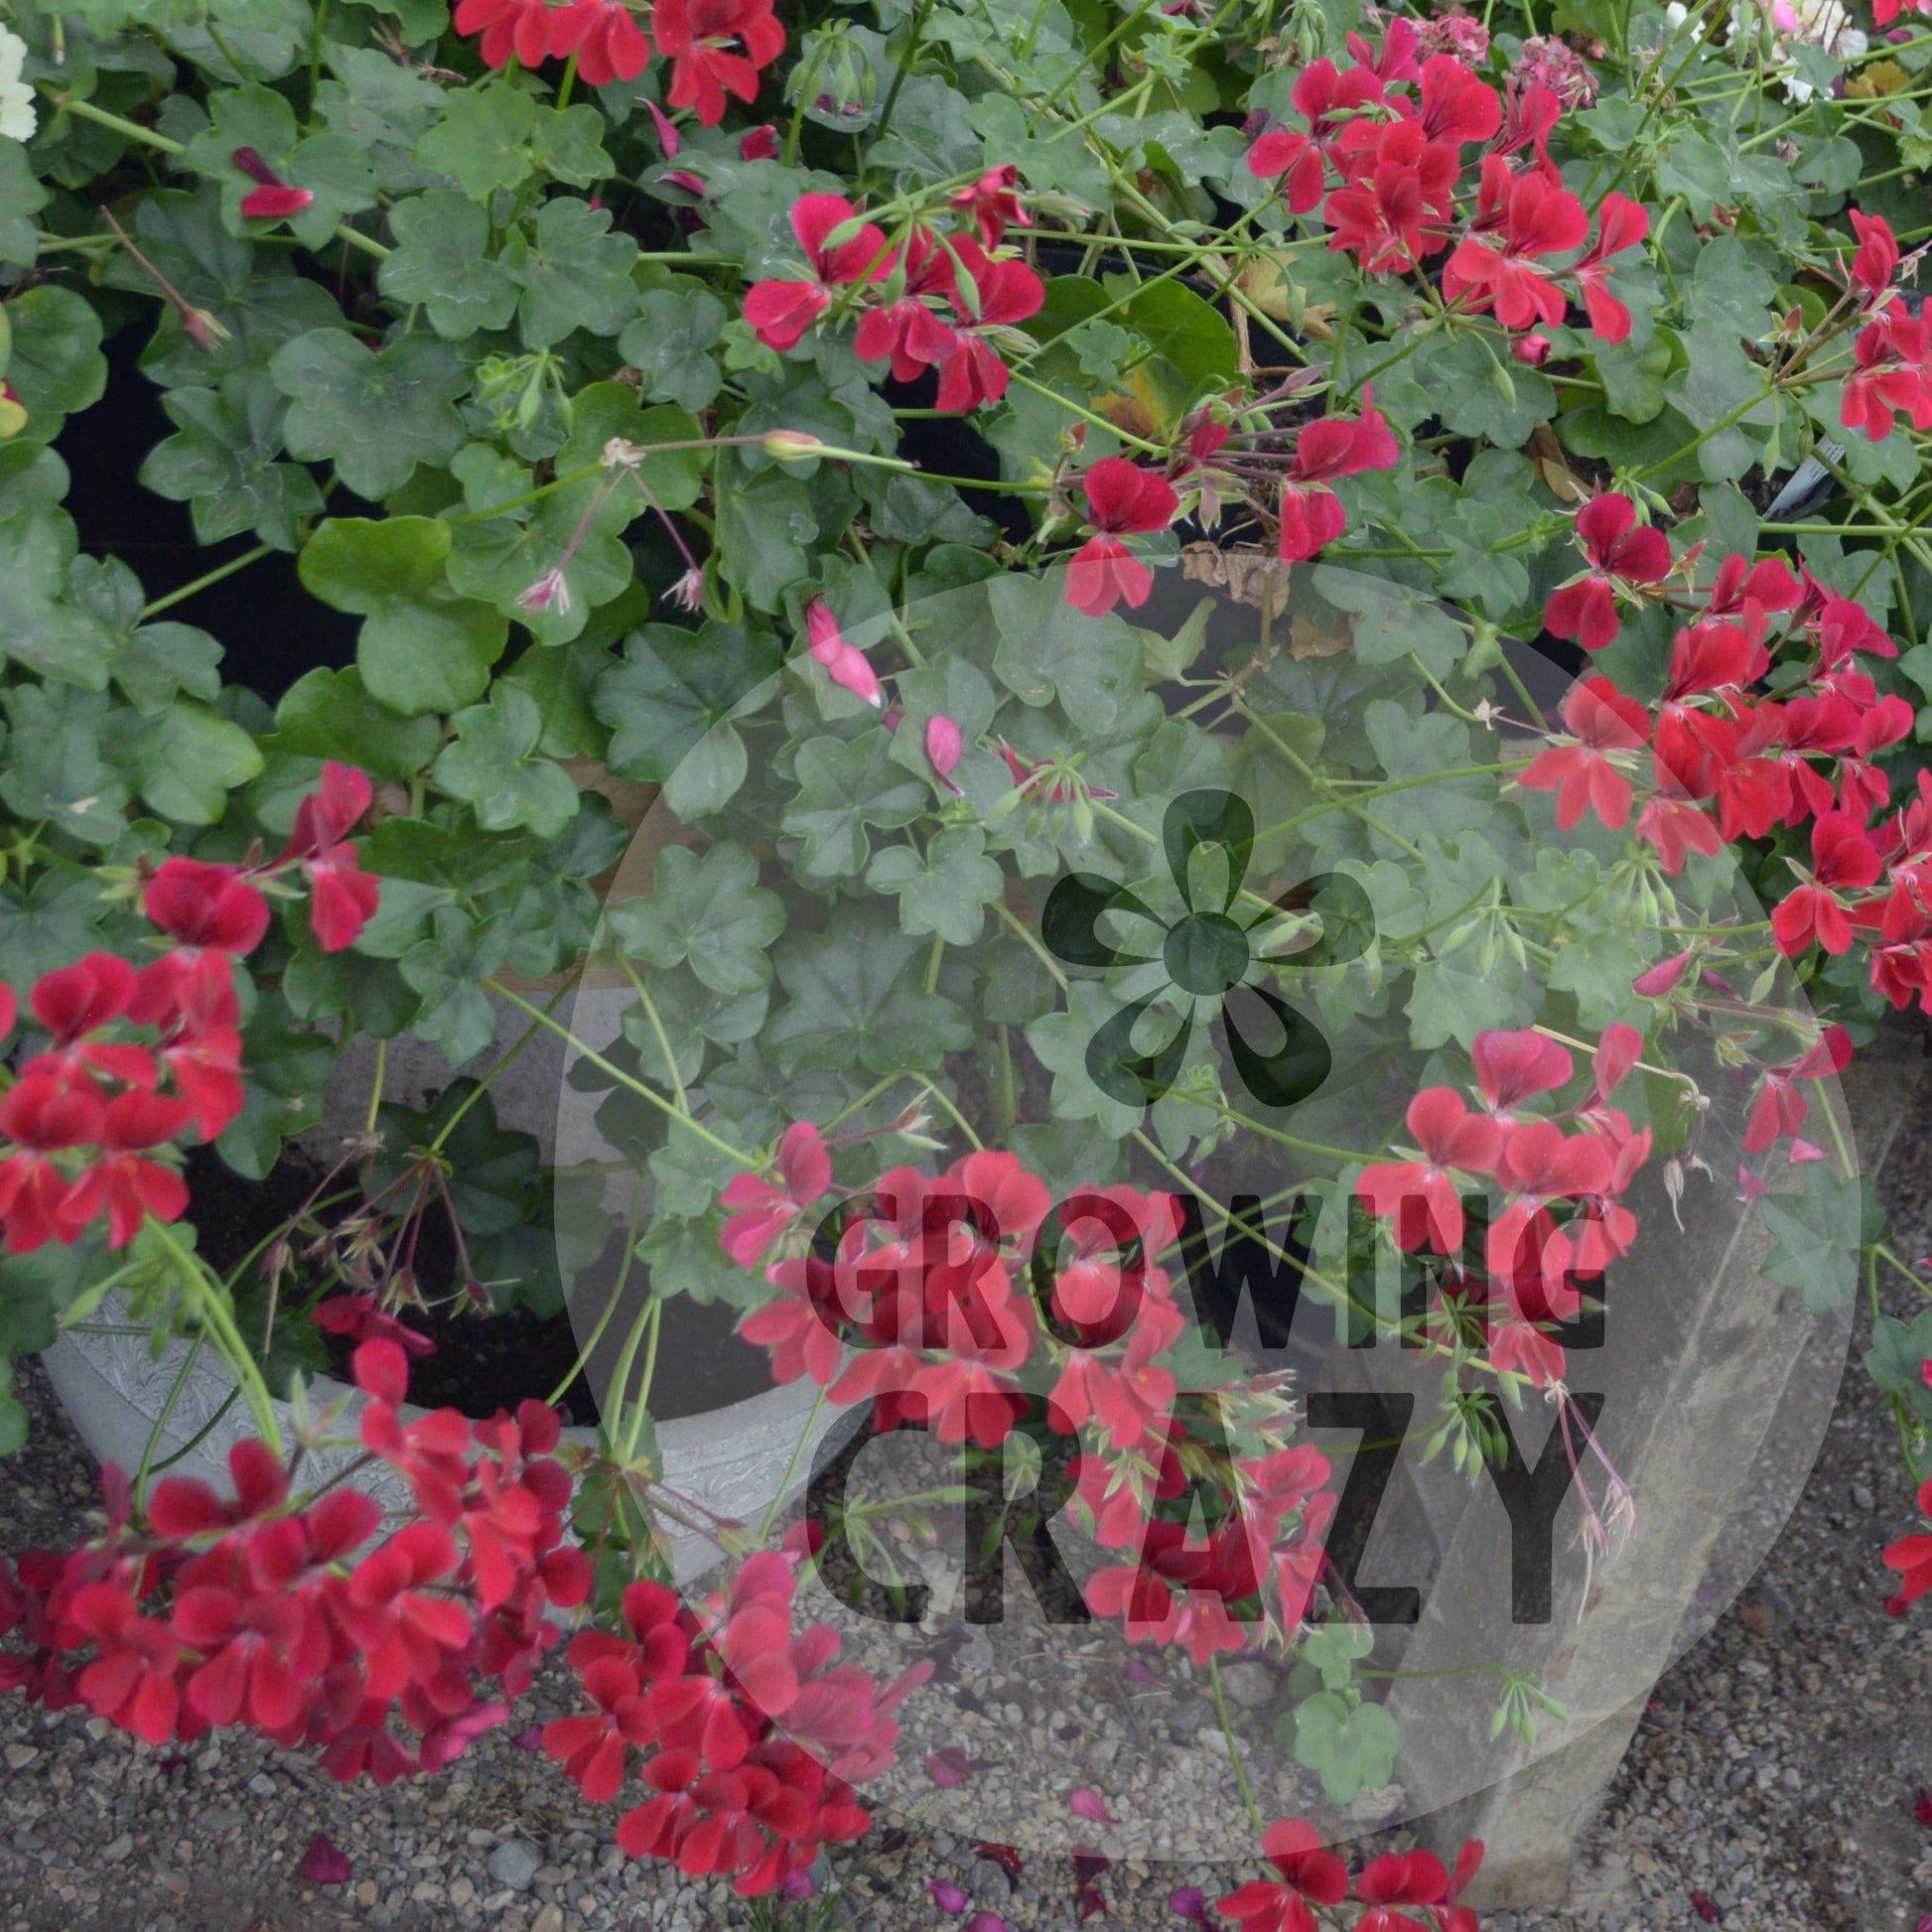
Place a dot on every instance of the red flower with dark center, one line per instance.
(1623, 555)
(1122, 501)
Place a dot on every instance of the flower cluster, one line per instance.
(715, 48)
(1892, 372)
(135, 1057)
(1312, 1879)
(931, 301)
(1560, 1218)
(1729, 761)
(749, 1736)
(969, 1305)
(1383, 150)
(307, 1619)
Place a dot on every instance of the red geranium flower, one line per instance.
(1843, 860)
(203, 904)
(697, 36)
(1310, 513)
(1308, 1876)
(1602, 719)
(781, 311)
(1519, 218)
(1619, 555)
(1122, 501)
(1422, 1194)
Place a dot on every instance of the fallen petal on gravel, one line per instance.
(323, 1864)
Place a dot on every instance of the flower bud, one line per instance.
(790, 445)
(1531, 350)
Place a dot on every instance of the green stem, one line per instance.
(203, 582)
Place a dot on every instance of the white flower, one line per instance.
(16, 116)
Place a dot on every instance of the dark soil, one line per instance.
(484, 1361)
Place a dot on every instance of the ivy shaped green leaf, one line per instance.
(945, 889)
(483, 140)
(222, 461)
(493, 766)
(577, 274)
(442, 260)
(855, 1001)
(844, 788)
(672, 687)
(374, 416)
(668, 342)
(708, 912)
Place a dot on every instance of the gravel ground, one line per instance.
(1774, 1775)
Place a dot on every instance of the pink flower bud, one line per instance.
(667, 135)
(790, 445)
(274, 202)
(942, 747)
(1532, 350)
(1661, 978)
(845, 664)
(759, 144)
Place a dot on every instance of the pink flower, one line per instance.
(943, 747)
(1310, 513)
(1621, 556)
(1663, 976)
(1602, 721)
(845, 663)
(697, 36)
(1423, 1195)
(1512, 1066)
(1122, 501)
(992, 204)
(761, 1210)
(780, 312)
